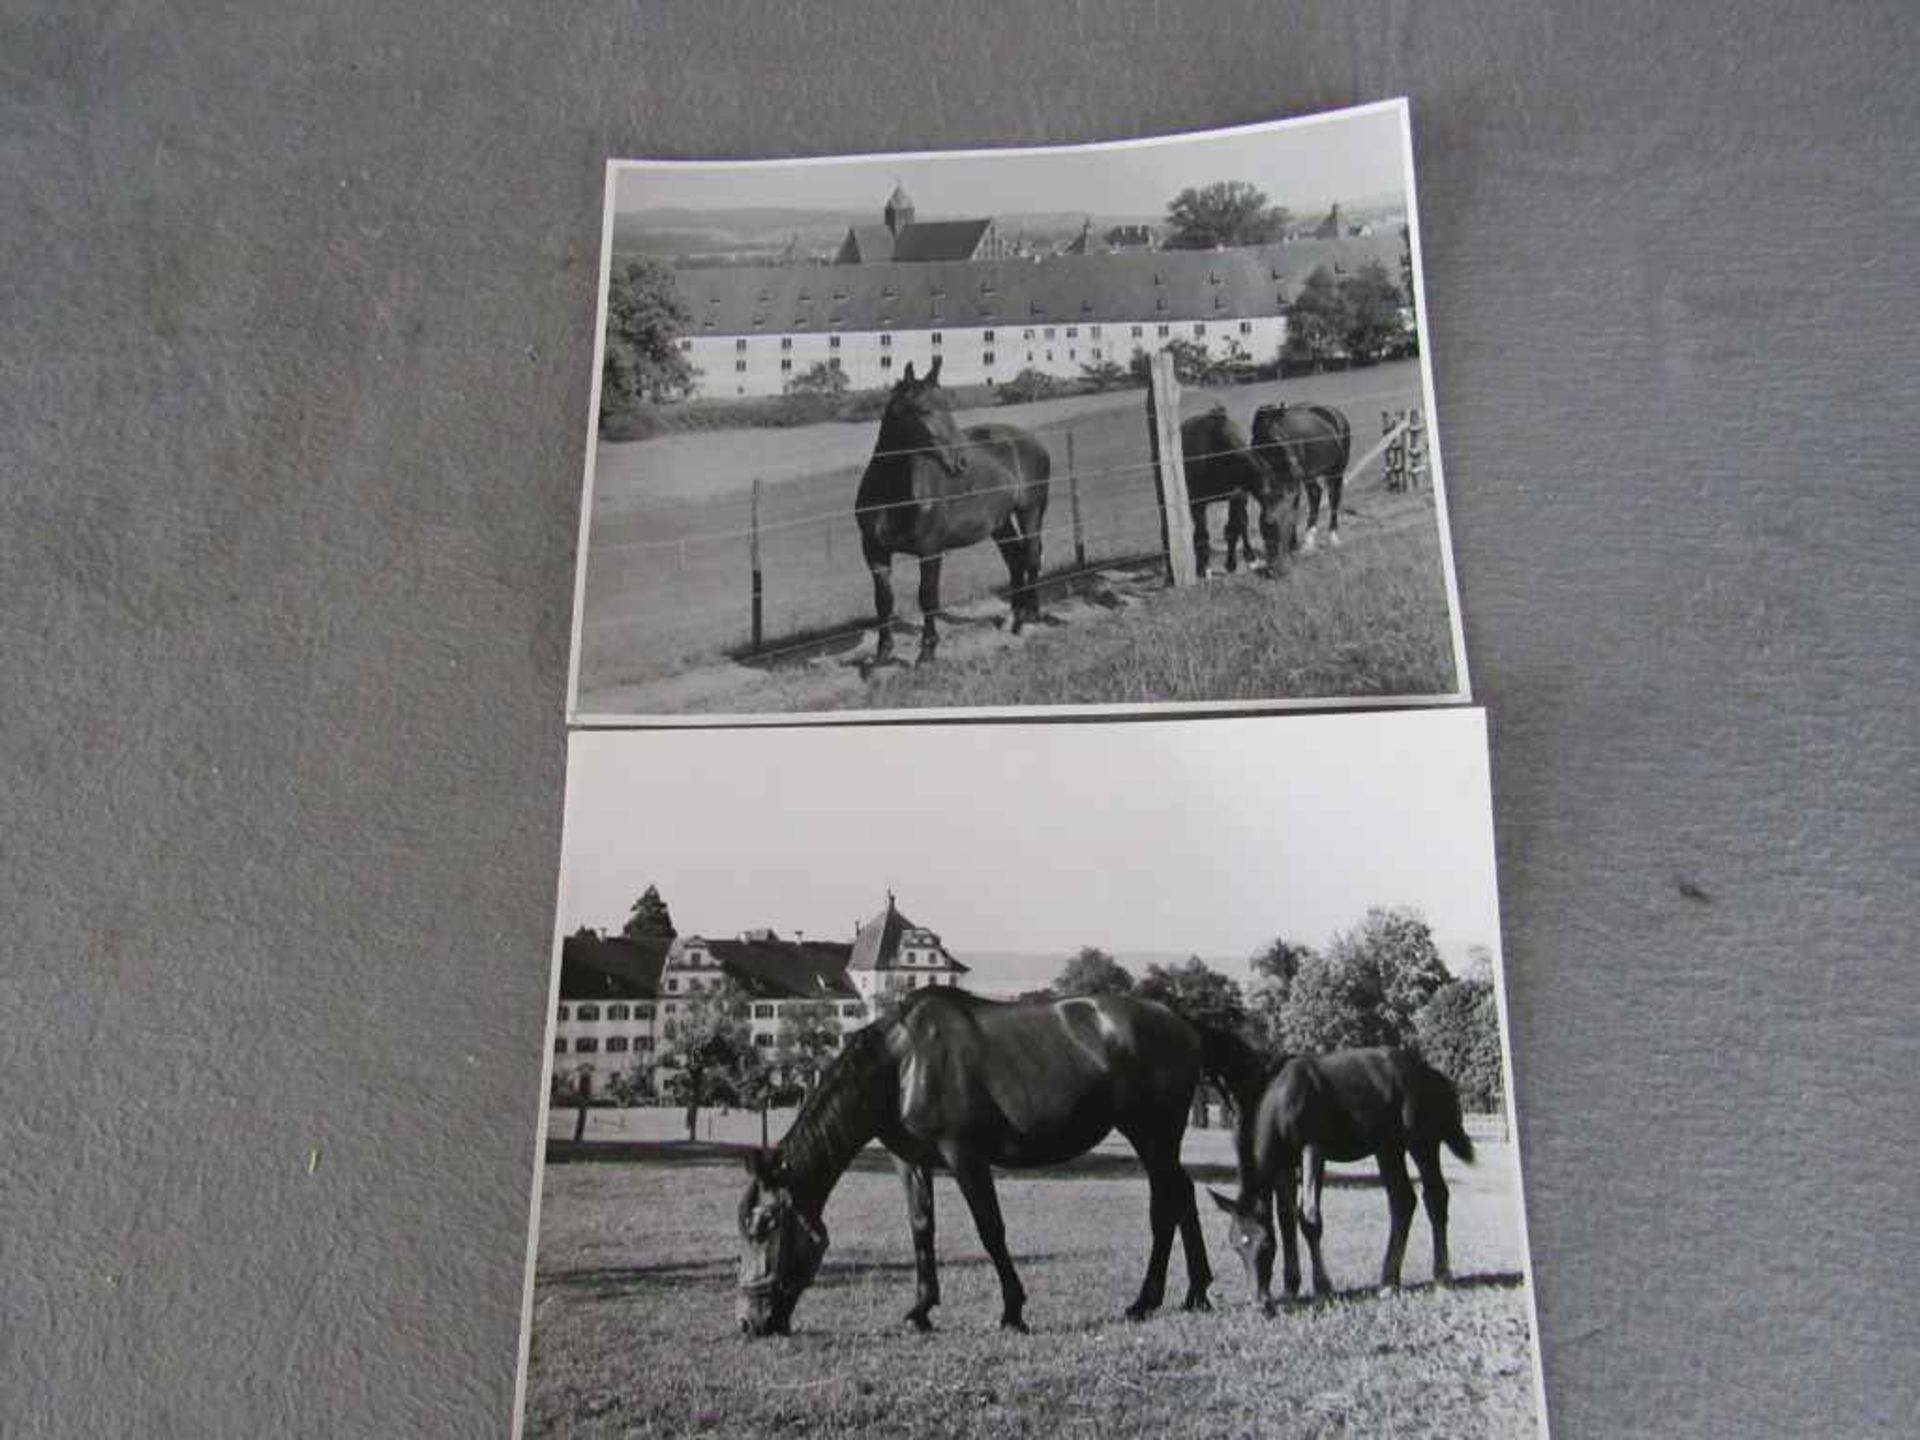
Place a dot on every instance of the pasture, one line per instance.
(666, 614)
(634, 1330)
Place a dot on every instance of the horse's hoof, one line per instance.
(1014, 1323)
(925, 657)
(1137, 1313)
(1333, 538)
(919, 1322)
(1197, 1304)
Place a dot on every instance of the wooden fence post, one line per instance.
(1073, 500)
(1416, 450)
(754, 555)
(1169, 469)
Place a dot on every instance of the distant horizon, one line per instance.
(1301, 163)
(1207, 837)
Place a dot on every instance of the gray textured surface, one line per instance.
(295, 374)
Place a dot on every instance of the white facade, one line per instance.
(764, 364)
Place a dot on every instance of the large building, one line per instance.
(618, 997)
(908, 292)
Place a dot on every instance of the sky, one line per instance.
(1301, 164)
(1201, 836)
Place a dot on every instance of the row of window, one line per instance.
(616, 1045)
(936, 337)
(610, 1012)
(642, 1045)
(763, 1010)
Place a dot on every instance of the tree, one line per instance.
(1395, 960)
(1272, 971)
(1228, 212)
(1105, 375)
(809, 1036)
(821, 378)
(1459, 1033)
(1332, 1005)
(649, 919)
(710, 1049)
(1372, 304)
(1093, 972)
(1197, 991)
(1316, 320)
(1029, 384)
(645, 319)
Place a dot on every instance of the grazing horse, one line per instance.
(1314, 443)
(930, 488)
(1342, 1106)
(959, 1083)
(1220, 465)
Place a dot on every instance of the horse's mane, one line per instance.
(1240, 1069)
(837, 1117)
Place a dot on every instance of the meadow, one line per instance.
(634, 1330)
(666, 615)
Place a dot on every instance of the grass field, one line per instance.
(634, 1332)
(667, 577)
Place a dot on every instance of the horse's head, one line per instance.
(917, 419)
(780, 1248)
(1250, 1236)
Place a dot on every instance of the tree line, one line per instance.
(1382, 982)
(1356, 315)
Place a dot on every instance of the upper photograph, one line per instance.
(1083, 430)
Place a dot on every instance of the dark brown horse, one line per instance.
(1220, 465)
(931, 487)
(1343, 1106)
(1314, 443)
(957, 1083)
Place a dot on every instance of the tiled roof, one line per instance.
(1151, 285)
(611, 969)
(786, 969)
(917, 244)
(877, 945)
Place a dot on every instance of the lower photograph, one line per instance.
(1130, 1079)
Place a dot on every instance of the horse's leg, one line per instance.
(1163, 1207)
(976, 1187)
(1313, 1177)
(1335, 483)
(1202, 548)
(1313, 517)
(1433, 1193)
(929, 607)
(882, 568)
(1032, 525)
(918, 1180)
(1400, 1207)
(1237, 532)
(1013, 552)
(1271, 539)
(1284, 1196)
(1193, 1241)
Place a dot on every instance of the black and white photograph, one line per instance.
(1029, 1080)
(1094, 428)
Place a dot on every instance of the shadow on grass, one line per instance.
(621, 1282)
(848, 638)
(1362, 1294)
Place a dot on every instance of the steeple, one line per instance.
(899, 211)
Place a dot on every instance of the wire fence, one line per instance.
(658, 599)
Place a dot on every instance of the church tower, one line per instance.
(899, 211)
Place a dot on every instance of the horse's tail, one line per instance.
(1454, 1136)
